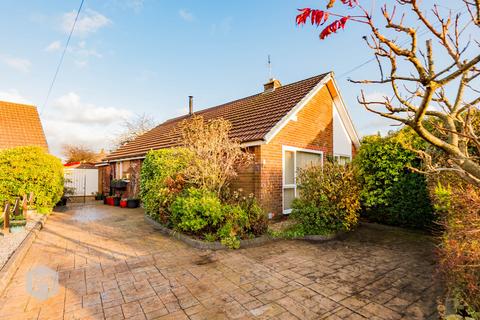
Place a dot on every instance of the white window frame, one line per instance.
(349, 156)
(294, 186)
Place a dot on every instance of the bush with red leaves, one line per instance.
(459, 250)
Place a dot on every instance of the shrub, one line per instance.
(390, 192)
(216, 158)
(200, 212)
(197, 210)
(329, 199)
(161, 180)
(459, 208)
(31, 169)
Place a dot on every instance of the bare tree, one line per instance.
(217, 157)
(133, 128)
(74, 153)
(439, 103)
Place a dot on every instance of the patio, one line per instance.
(112, 265)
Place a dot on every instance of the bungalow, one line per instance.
(20, 125)
(286, 127)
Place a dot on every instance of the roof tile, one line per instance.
(20, 126)
(251, 118)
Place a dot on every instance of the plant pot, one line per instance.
(62, 202)
(119, 184)
(133, 203)
(110, 201)
(105, 200)
(123, 203)
(116, 202)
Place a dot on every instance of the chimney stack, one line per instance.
(190, 105)
(271, 85)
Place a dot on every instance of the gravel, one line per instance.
(10, 242)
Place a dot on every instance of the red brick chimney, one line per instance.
(271, 85)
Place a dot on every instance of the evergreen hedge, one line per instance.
(31, 169)
(391, 192)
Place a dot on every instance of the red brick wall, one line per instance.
(312, 130)
(248, 179)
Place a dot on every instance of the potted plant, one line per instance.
(67, 191)
(99, 196)
(119, 184)
(110, 200)
(116, 201)
(123, 203)
(133, 202)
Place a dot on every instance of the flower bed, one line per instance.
(244, 243)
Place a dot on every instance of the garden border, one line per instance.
(216, 245)
(13, 263)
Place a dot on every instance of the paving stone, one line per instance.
(112, 265)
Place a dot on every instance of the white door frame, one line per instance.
(293, 186)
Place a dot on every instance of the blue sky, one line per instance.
(134, 56)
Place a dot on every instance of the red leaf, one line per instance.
(317, 17)
(303, 16)
(333, 27)
(350, 3)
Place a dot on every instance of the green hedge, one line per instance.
(328, 201)
(31, 169)
(391, 192)
(158, 168)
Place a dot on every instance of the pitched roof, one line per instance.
(251, 118)
(79, 165)
(20, 126)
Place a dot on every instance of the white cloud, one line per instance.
(136, 5)
(13, 95)
(54, 46)
(69, 120)
(88, 22)
(73, 109)
(224, 27)
(19, 64)
(376, 123)
(186, 15)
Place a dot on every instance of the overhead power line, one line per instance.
(62, 57)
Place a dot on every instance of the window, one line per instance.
(118, 170)
(342, 160)
(293, 160)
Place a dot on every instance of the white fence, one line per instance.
(84, 181)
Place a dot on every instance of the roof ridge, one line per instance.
(18, 104)
(240, 99)
(251, 116)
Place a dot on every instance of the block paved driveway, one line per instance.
(112, 265)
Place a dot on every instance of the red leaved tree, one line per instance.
(435, 87)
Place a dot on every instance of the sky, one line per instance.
(128, 57)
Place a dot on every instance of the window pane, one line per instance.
(307, 159)
(289, 168)
(288, 196)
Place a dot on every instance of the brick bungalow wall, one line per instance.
(312, 130)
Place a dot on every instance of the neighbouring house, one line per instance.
(82, 178)
(286, 127)
(20, 126)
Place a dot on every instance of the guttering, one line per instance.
(125, 159)
(252, 143)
